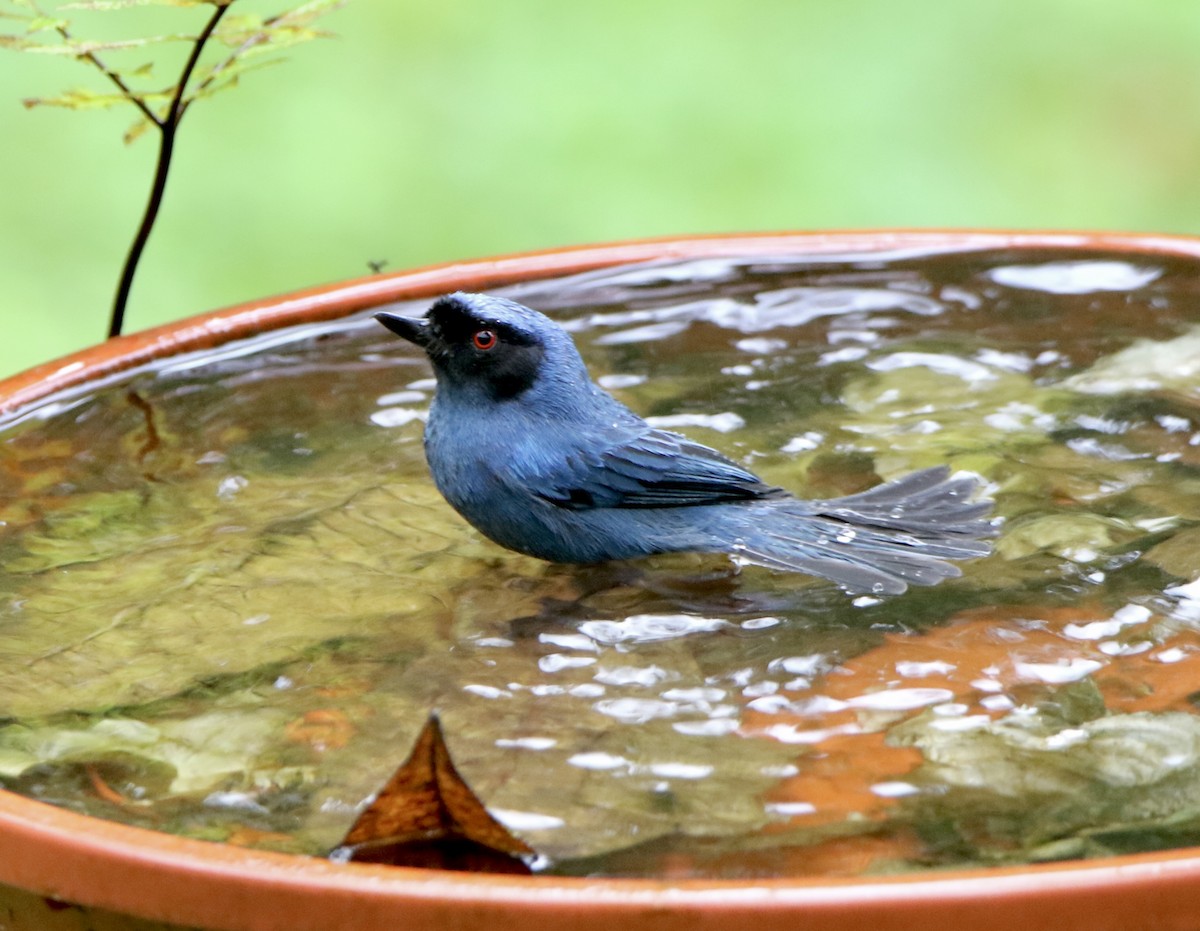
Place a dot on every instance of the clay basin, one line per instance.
(63, 869)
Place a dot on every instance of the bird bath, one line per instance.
(231, 595)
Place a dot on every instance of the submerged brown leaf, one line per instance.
(427, 816)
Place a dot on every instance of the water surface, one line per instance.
(231, 595)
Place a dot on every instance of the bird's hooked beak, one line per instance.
(413, 329)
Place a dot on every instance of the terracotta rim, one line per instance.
(75, 858)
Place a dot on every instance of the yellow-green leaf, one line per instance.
(77, 99)
(104, 5)
(42, 23)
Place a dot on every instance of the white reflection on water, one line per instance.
(648, 628)
(556, 662)
(633, 675)
(597, 760)
(973, 373)
(525, 820)
(723, 423)
(714, 727)
(1083, 277)
(900, 699)
(1058, 673)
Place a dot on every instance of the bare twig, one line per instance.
(168, 126)
(162, 109)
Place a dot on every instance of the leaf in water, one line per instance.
(1077, 536)
(428, 816)
(172, 757)
(1147, 365)
(157, 593)
(1031, 778)
(974, 407)
(1179, 554)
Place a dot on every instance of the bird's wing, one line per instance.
(652, 469)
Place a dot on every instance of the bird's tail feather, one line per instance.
(881, 540)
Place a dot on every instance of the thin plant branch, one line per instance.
(162, 109)
(168, 126)
(225, 63)
(126, 91)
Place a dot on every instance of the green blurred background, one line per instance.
(429, 132)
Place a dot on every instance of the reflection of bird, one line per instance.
(540, 459)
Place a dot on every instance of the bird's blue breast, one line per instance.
(506, 472)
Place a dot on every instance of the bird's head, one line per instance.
(480, 343)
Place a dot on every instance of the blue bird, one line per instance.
(540, 459)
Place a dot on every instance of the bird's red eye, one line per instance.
(484, 339)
